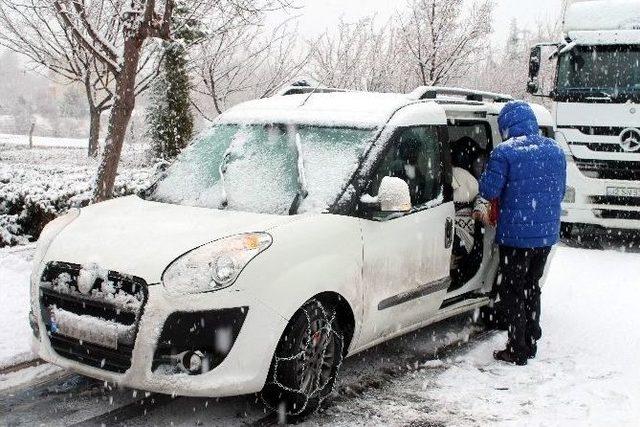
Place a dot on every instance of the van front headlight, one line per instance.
(215, 265)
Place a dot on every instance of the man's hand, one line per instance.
(483, 217)
(485, 212)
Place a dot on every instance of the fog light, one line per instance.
(195, 363)
(569, 195)
(192, 361)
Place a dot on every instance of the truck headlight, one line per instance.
(215, 265)
(569, 195)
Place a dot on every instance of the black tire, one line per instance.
(306, 362)
(566, 231)
(584, 237)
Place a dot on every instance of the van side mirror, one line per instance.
(393, 196)
(535, 60)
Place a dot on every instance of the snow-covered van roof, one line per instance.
(352, 109)
(543, 115)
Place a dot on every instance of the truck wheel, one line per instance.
(566, 230)
(584, 237)
(306, 362)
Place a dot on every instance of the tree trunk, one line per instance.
(33, 126)
(94, 131)
(121, 111)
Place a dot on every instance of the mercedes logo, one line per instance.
(630, 140)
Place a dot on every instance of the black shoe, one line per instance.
(506, 356)
(533, 350)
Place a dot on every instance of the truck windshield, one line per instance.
(261, 171)
(607, 72)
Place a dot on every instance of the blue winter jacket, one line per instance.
(527, 173)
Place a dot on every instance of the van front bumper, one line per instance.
(243, 368)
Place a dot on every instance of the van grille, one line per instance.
(115, 298)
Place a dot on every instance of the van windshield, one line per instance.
(259, 167)
(600, 71)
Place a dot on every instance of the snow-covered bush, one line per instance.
(30, 198)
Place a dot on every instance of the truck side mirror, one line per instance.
(533, 85)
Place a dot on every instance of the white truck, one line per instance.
(596, 104)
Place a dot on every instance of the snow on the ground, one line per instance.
(15, 333)
(26, 377)
(41, 141)
(587, 371)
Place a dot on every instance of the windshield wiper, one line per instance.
(588, 93)
(564, 49)
(303, 191)
(222, 169)
(600, 95)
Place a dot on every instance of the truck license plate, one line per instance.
(623, 191)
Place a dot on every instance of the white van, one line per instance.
(280, 242)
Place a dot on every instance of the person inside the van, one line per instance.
(467, 248)
(526, 176)
(409, 169)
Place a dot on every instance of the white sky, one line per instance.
(318, 15)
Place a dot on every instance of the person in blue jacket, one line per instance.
(526, 179)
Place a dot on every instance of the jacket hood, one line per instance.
(517, 119)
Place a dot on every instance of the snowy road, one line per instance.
(587, 372)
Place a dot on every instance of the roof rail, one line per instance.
(297, 90)
(432, 92)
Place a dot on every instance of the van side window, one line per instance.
(416, 157)
(471, 143)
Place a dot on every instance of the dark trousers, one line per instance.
(519, 291)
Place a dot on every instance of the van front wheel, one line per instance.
(306, 362)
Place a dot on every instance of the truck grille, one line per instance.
(614, 200)
(600, 130)
(616, 214)
(114, 299)
(610, 169)
(600, 147)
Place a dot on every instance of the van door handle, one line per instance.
(448, 233)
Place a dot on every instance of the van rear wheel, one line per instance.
(306, 362)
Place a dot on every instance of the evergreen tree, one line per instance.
(169, 116)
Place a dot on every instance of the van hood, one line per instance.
(141, 238)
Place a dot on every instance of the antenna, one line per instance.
(311, 93)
